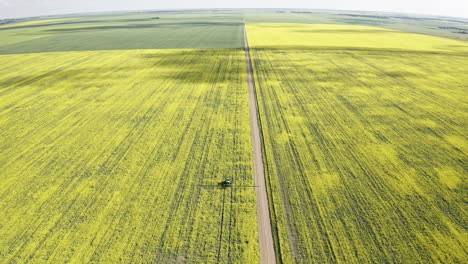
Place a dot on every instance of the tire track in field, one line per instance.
(230, 225)
(265, 235)
(221, 229)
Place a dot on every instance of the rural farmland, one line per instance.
(343, 136)
(365, 142)
(108, 150)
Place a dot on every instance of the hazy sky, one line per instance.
(23, 8)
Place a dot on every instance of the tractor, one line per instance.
(226, 183)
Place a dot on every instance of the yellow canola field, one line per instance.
(365, 143)
(102, 155)
(326, 37)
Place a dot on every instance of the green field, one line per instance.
(365, 142)
(121, 33)
(102, 155)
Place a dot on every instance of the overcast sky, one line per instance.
(25, 8)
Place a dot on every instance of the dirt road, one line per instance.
(267, 251)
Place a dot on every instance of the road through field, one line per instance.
(267, 251)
